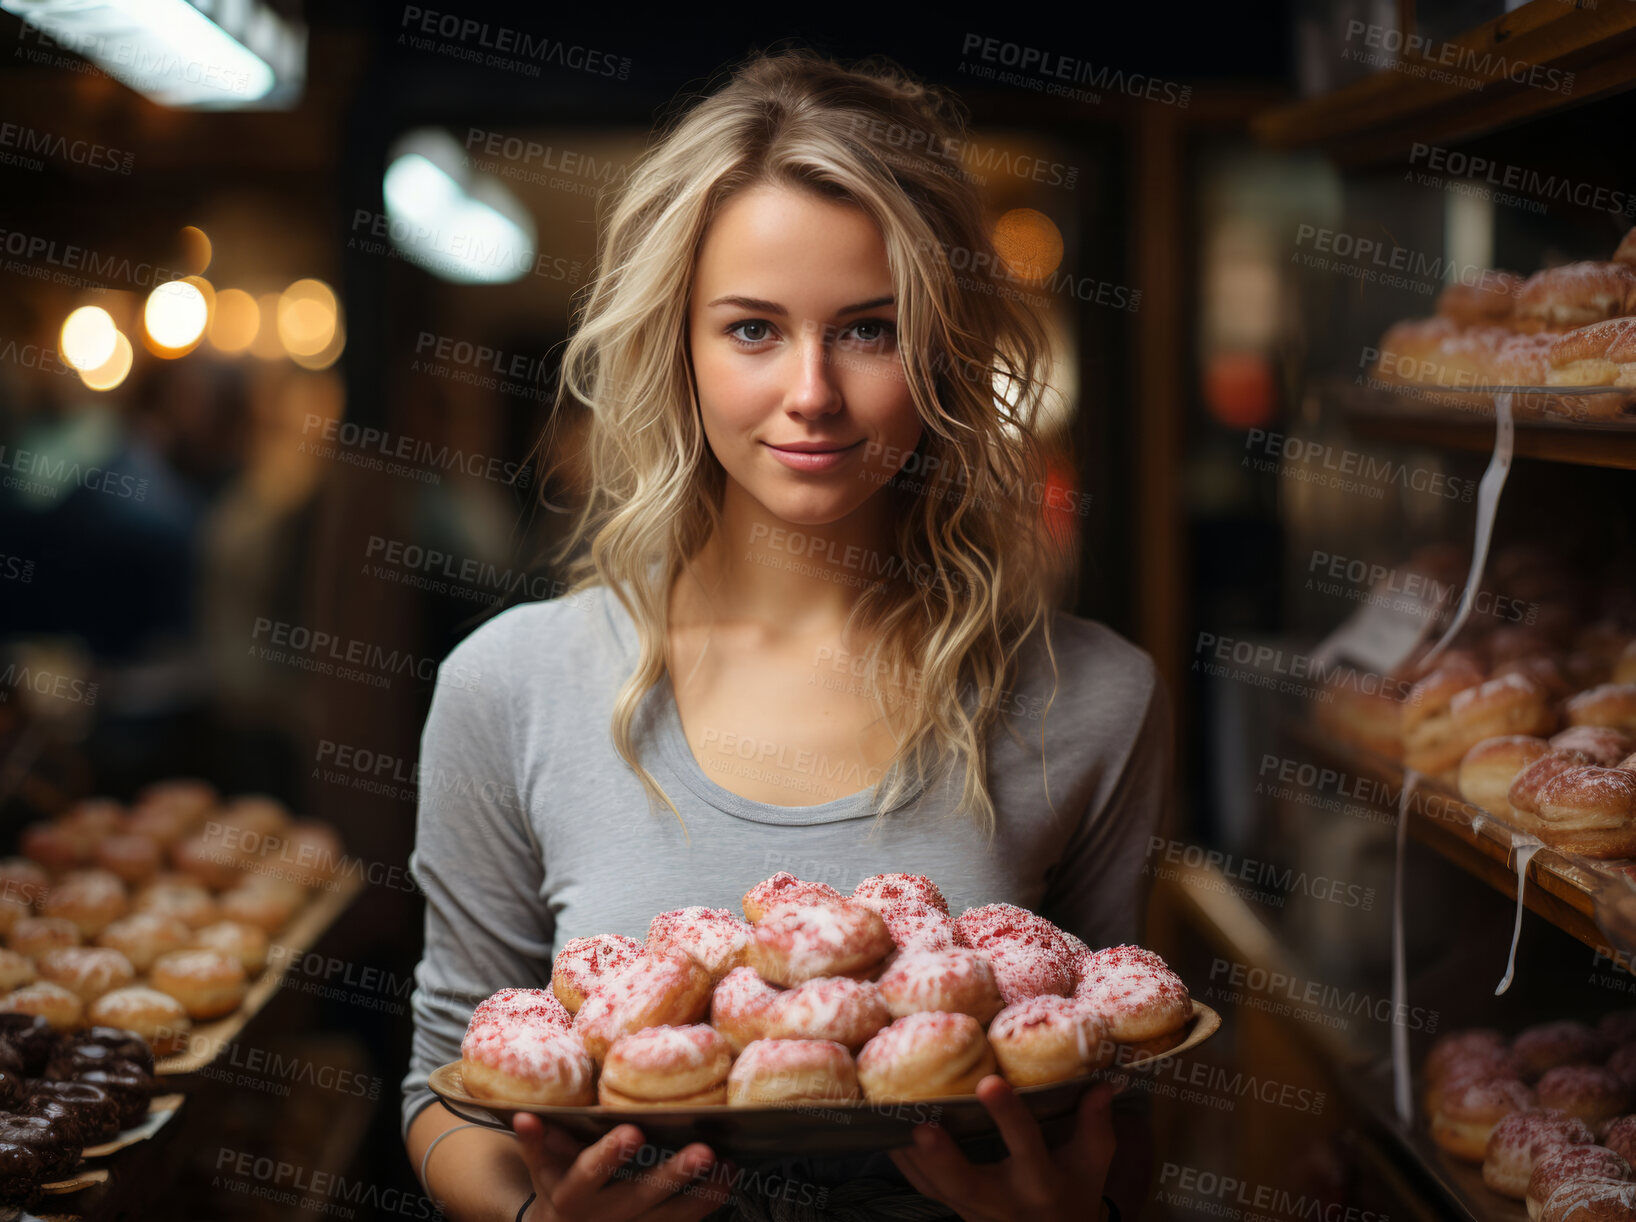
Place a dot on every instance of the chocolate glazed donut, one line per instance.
(32, 1152)
(90, 1107)
(13, 1090)
(118, 1061)
(33, 1038)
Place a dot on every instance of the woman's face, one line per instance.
(794, 343)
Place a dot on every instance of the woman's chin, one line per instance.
(809, 512)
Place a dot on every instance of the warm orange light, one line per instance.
(175, 317)
(112, 371)
(326, 356)
(237, 319)
(88, 337)
(307, 318)
(196, 249)
(266, 345)
(1029, 242)
(1239, 390)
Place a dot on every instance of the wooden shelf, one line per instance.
(1210, 903)
(1549, 443)
(1562, 889)
(1379, 118)
(1464, 420)
(307, 926)
(1461, 1183)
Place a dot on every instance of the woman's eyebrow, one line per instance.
(772, 307)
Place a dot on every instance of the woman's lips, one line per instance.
(813, 460)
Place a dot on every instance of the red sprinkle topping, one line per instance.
(884, 889)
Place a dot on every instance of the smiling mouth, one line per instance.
(803, 450)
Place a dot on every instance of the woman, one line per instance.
(813, 629)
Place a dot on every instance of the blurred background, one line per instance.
(283, 288)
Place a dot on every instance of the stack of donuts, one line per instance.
(1530, 714)
(61, 1092)
(1563, 326)
(1550, 1114)
(818, 997)
(153, 917)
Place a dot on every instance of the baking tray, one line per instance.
(206, 1040)
(754, 1133)
(160, 1109)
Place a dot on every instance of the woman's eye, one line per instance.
(749, 341)
(874, 330)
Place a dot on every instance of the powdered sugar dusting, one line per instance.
(885, 889)
(914, 1029)
(1512, 684)
(785, 887)
(785, 1056)
(1530, 1134)
(1604, 744)
(832, 1008)
(1056, 1016)
(713, 936)
(534, 1051)
(1590, 797)
(1587, 705)
(1028, 954)
(742, 993)
(1595, 1194)
(199, 964)
(522, 1005)
(811, 937)
(666, 1048)
(917, 926)
(937, 979)
(1575, 1163)
(585, 963)
(1574, 1086)
(639, 985)
(1123, 980)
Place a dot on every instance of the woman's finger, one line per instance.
(646, 1187)
(1093, 1141)
(1031, 1160)
(907, 1162)
(941, 1162)
(697, 1200)
(596, 1164)
(547, 1150)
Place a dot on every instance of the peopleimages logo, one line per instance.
(1440, 61)
(493, 40)
(1526, 181)
(86, 153)
(1283, 881)
(1233, 1198)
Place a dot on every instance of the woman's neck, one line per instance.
(760, 571)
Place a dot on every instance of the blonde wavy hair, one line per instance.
(966, 515)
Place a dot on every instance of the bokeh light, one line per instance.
(112, 371)
(196, 249)
(266, 345)
(88, 337)
(175, 316)
(1029, 242)
(236, 321)
(307, 318)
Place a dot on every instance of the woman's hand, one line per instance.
(572, 1180)
(1033, 1184)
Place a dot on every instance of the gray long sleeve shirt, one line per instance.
(531, 830)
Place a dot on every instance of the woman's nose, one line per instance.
(816, 384)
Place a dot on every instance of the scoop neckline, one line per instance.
(676, 753)
(675, 750)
